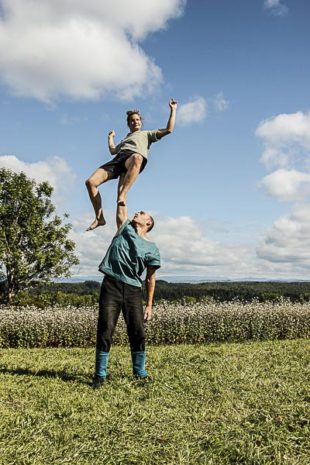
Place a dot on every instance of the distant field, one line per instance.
(217, 404)
(172, 323)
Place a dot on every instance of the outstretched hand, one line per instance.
(173, 104)
(112, 133)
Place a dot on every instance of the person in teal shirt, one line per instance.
(128, 255)
(131, 156)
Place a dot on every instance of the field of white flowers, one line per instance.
(172, 323)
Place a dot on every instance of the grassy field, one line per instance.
(238, 403)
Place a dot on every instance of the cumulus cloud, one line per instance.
(186, 251)
(287, 185)
(83, 50)
(91, 246)
(287, 147)
(192, 112)
(288, 241)
(220, 102)
(183, 244)
(55, 170)
(276, 7)
(286, 138)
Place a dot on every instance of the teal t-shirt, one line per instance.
(128, 256)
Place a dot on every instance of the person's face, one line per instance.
(135, 122)
(142, 218)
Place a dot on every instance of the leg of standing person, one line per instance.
(110, 305)
(133, 166)
(98, 177)
(133, 316)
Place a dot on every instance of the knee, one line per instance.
(89, 183)
(137, 159)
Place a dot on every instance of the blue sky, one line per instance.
(229, 189)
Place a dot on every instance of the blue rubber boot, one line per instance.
(138, 364)
(101, 368)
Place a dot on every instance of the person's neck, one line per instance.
(140, 230)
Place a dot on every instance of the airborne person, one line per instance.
(130, 159)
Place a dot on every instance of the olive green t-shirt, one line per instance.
(137, 142)
(128, 256)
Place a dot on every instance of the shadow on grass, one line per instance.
(63, 375)
(81, 379)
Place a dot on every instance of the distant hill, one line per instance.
(87, 292)
(222, 291)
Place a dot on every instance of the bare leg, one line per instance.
(98, 177)
(119, 188)
(133, 165)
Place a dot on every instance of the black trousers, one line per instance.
(117, 297)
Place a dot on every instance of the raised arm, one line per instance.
(150, 282)
(121, 214)
(111, 144)
(171, 121)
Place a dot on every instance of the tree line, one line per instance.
(87, 292)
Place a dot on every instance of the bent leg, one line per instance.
(98, 177)
(133, 165)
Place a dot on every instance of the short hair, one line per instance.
(151, 226)
(133, 112)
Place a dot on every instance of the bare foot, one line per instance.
(97, 222)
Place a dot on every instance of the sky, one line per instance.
(229, 189)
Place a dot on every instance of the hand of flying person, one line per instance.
(173, 104)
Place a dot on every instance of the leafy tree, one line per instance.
(34, 246)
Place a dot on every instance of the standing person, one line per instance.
(130, 159)
(130, 252)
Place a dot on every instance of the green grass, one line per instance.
(245, 403)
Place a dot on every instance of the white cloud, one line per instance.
(55, 170)
(276, 7)
(184, 247)
(83, 50)
(192, 112)
(287, 185)
(288, 241)
(183, 242)
(220, 102)
(186, 251)
(286, 129)
(286, 139)
(91, 246)
(287, 146)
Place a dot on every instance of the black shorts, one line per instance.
(117, 166)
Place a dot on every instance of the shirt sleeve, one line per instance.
(151, 135)
(118, 148)
(152, 258)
